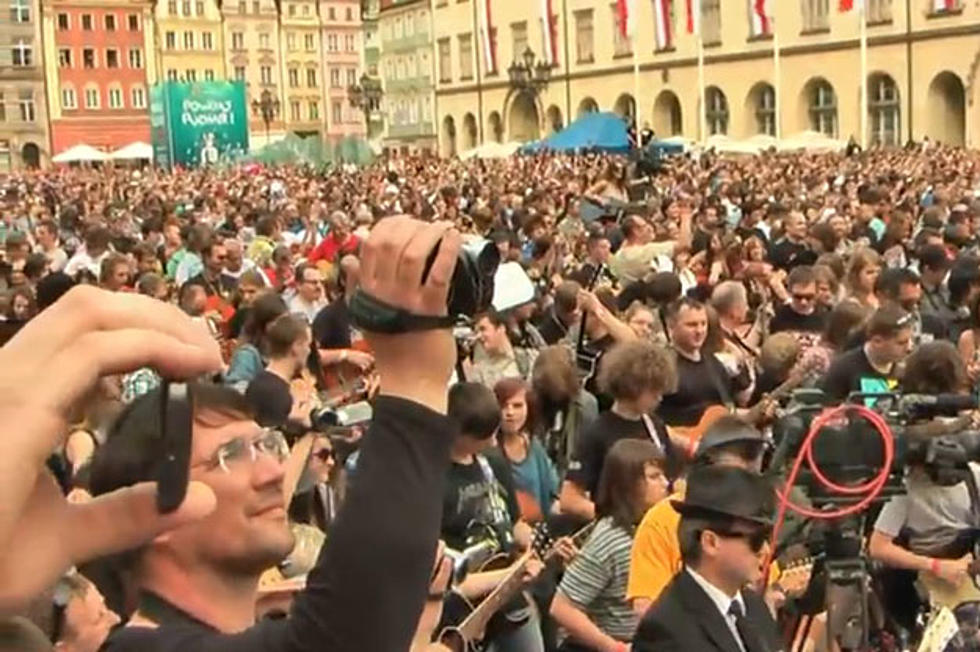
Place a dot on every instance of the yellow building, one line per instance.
(302, 69)
(252, 54)
(190, 40)
(921, 71)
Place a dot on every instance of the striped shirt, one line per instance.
(596, 580)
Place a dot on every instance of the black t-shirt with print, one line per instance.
(852, 372)
(596, 440)
(466, 500)
(787, 319)
(699, 385)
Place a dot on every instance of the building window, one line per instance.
(134, 22)
(198, 8)
(91, 98)
(265, 75)
(349, 45)
(3, 108)
(518, 38)
(115, 98)
(621, 44)
(291, 10)
(291, 41)
(20, 11)
(350, 14)
(63, 22)
(23, 53)
(68, 99)
(332, 42)
(335, 77)
(445, 61)
(112, 58)
(332, 13)
(172, 7)
(110, 22)
(188, 40)
(138, 97)
(237, 41)
(584, 37)
(190, 75)
(311, 77)
(883, 106)
(823, 109)
(306, 10)
(240, 73)
(816, 15)
(314, 110)
(879, 11)
(64, 57)
(26, 101)
(466, 56)
(294, 111)
(717, 111)
(351, 77)
(170, 40)
(171, 74)
(87, 22)
(309, 42)
(293, 78)
(711, 21)
(207, 41)
(208, 74)
(264, 41)
(241, 7)
(765, 111)
(185, 7)
(336, 111)
(135, 58)
(88, 58)
(256, 7)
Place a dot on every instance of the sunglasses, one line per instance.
(804, 297)
(323, 454)
(755, 539)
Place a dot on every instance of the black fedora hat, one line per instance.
(727, 492)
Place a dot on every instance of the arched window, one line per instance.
(883, 107)
(765, 111)
(823, 109)
(716, 105)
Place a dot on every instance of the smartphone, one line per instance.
(176, 426)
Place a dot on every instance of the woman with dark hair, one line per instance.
(535, 478)
(247, 359)
(590, 603)
(250, 283)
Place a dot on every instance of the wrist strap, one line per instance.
(374, 315)
(934, 566)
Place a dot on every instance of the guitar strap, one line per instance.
(651, 429)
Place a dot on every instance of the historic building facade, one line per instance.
(342, 40)
(916, 86)
(406, 68)
(190, 40)
(24, 138)
(300, 56)
(99, 61)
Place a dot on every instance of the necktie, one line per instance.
(750, 639)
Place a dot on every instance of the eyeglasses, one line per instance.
(235, 451)
(323, 454)
(804, 297)
(756, 538)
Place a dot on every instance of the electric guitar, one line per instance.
(587, 361)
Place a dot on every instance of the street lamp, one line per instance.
(267, 108)
(366, 96)
(528, 74)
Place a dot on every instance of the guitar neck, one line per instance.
(472, 628)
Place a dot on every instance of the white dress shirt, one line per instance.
(723, 602)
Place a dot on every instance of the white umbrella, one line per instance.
(137, 150)
(80, 153)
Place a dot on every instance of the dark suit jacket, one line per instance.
(685, 619)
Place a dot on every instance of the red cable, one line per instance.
(872, 488)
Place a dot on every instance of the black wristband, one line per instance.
(374, 315)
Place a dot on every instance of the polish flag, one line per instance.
(662, 24)
(847, 5)
(486, 35)
(626, 11)
(943, 5)
(760, 13)
(548, 29)
(693, 16)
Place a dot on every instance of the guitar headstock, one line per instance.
(795, 576)
(542, 540)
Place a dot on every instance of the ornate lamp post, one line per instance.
(366, 96)
(267, 108)
(528, 74)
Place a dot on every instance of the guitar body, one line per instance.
(943, 594)
(695, 432)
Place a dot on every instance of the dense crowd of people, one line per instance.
(609, 438)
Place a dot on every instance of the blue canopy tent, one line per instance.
(593, 131)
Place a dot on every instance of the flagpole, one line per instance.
(777, 77)
(703, 112)
(864, 73)
(636, 90)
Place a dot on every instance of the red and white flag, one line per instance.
(626, 13)
(760, 15)
(548, 30)
(662, 24)
(693, 16)
(486, 36)
(940, 6)
(847, 5)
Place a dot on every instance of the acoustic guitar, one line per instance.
(945, 594)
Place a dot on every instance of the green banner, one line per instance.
(206, 122)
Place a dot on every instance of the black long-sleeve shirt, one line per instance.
(369, 585)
